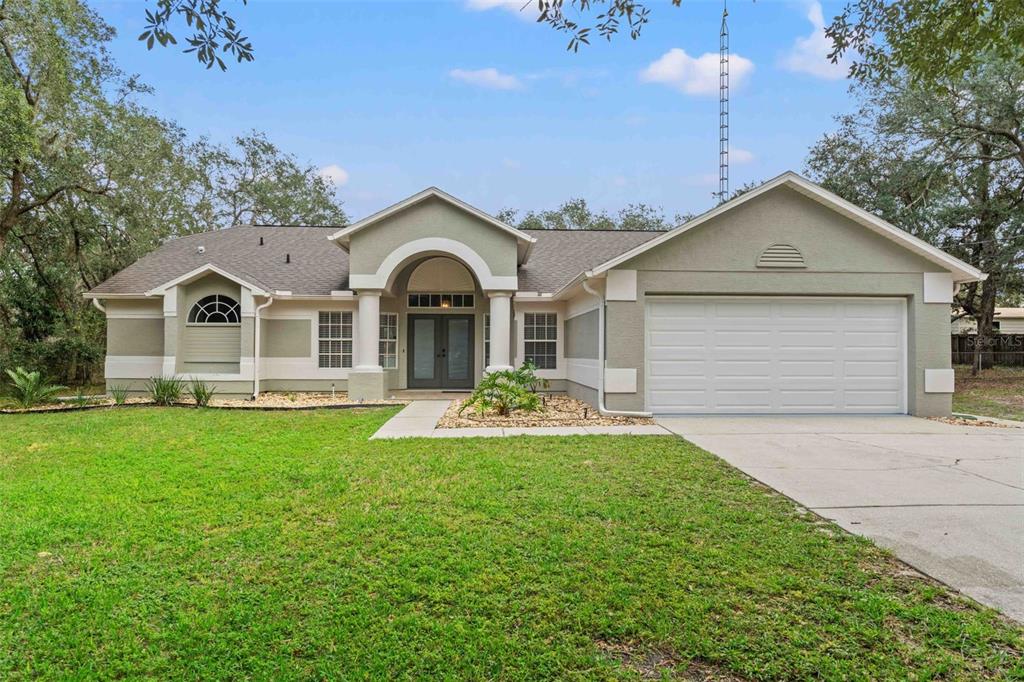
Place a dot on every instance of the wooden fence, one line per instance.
(1006, 350)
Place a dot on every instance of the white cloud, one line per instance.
(810, 53)
(511, 164)
(695, 75)
(334, 174)
(737, 155)
(489, 78)
(524, 9)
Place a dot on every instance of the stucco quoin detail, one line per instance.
(384, 278)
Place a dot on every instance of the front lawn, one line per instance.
(996, 392)
(203, 544)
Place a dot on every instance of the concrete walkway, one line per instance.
(419, 420)
(949, 500)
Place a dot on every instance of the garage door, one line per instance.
(775, 355)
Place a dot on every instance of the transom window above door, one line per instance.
(441, 301)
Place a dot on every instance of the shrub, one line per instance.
(81, 399)
(165, 390)
(119, 393)
(201, 392)
(505, 392)
(29, 387)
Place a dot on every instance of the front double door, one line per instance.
(440, 351)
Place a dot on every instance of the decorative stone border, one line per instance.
(193, 406)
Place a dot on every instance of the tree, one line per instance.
(945, 162)
(576, 214)
(92, 181)
(211, 27)
(54, 71)
(256, 182)
(929, 41)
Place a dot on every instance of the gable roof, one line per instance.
(525, 241)
(559, 256)
(962, 272)
(315, 268)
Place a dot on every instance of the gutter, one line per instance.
(601, 359)
(256, 348)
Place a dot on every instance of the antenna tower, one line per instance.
(723, 108)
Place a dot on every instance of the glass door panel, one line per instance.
(459, 351)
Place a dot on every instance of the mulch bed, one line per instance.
(558, 410)
(266, 402)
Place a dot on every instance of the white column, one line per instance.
(368, 348)
(501, 321)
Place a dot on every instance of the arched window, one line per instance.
(215, 309)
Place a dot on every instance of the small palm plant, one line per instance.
(201, 392)
(29, 387)
(504, 392)
(165, 390)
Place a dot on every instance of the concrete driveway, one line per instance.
(948, 500)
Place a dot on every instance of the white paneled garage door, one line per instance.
(775, 355)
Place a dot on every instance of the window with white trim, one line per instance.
(487, 339)
(389, 340)
(540, 335)
(335, 339)
(214, 309)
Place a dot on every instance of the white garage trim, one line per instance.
(819, 379)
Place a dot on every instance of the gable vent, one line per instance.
(781, 256)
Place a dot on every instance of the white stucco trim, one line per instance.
(299, 369)
(939, 380)
(583, 371)
(342, 236)
(388, 269)
(203, 270)
(133, 366)
(620, 380)
(938, 287)
(133, 315)
(620, 285)
(960, 271)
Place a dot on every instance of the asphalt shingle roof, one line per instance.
(318, 267)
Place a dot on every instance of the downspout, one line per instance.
(601, 359)
(99, 306)
(256, 348)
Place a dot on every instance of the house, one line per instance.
(786, 299)
(1007, 321)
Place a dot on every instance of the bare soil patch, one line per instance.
(659, 663)
(557, 410)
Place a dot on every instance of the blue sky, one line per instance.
(472, 96)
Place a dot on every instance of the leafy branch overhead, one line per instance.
(212, 29)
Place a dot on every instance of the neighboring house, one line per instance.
(787, 299)
(1007, 321)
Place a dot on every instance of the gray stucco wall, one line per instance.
(581, 335)
(843, 259)
(432, 218)
(285, 338)
(135, 336)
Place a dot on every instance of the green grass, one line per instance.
(996, 392)
(203, 544)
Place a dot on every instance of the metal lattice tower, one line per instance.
(723, 108)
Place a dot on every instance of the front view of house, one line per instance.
(787, 299)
